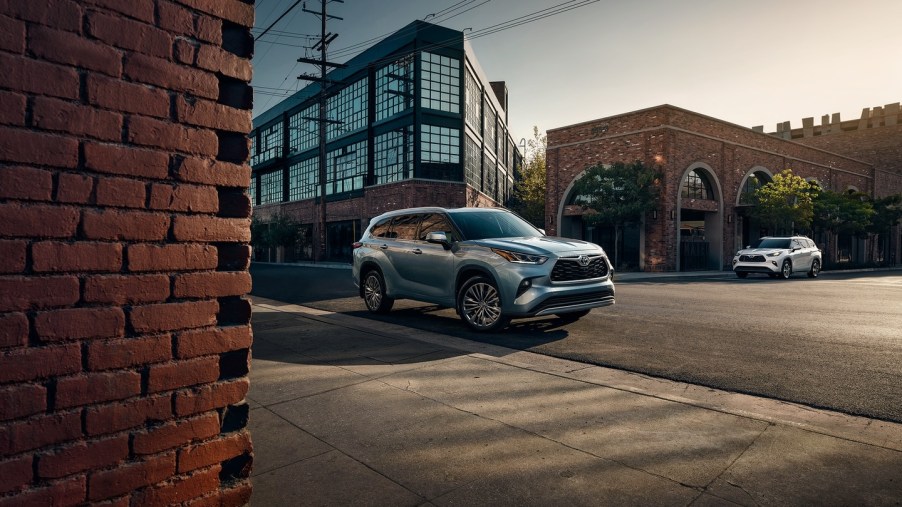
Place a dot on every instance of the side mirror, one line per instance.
(439, 238)
(543, 232)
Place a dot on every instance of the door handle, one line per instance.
(384, 247)
(417, 251)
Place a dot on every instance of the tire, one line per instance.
(572, 316)
(374, 293)
(786, 270)
(479, 305)
(815, 269)
(741, 274)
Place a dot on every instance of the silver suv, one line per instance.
(488, 263)
(779, 257)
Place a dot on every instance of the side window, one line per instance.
(405, 227)
(795, 244)
(436, 222)
(380, 230)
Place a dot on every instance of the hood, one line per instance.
(759, 251)
(543, 245)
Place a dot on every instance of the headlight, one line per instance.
(774, 254)
(520, 258)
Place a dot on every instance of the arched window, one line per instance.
(755, 181)
(696, 186)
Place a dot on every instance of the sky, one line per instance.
(748, 62)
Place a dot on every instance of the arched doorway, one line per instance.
(700, 225)
(749, 228)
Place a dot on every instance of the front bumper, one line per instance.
(546, 297)
(769, 265)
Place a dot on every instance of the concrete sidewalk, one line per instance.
(351, 411)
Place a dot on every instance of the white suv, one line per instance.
(779, 257)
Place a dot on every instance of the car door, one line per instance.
(400, 254)
(431, 266)
(801, 256)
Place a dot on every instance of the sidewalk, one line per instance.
(351, 411)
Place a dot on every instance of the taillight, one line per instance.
(356, 245)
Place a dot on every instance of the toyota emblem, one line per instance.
(583, 260)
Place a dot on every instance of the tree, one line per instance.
(528, 198)
(887, 214)
(842, 213)
(281, 230)
(785, 203)
(617, 195)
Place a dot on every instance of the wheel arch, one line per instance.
(365, 268)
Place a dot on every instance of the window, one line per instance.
(440, 82)
(439, 145)
(381, 229)
(474, 164)
(271, 187)
(751, 184)
(488, 175)
(394, 155)
(303, 180)
(474, 102)
(394, 88)
(269, 145)
(303, 133)
(252, 190)
(696, 186)
(490, 130)
(435, 222)
(347, 168)
(349, 107)
(405, 227)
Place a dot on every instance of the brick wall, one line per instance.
(124, 333)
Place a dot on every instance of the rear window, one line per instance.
(380, 230)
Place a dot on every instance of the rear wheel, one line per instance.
(815, 269)
(572, 316)
(741, 274)
(786, 269)
(374, 293)
(479, 305)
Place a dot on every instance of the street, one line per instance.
(833, 342)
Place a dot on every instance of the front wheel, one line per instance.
(479, 305)
(786, 270)
(374, 293)
(815, 269)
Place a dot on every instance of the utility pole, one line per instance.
(324, 65)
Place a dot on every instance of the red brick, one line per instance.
(126, 161)
(199, 199)
(124, 479)
(104, 419)
(125, 225)
(122, 290)
(173, 316)
(54, 256)
(138, 9)
(215, 451)
(78, 323)
(64, 493)
(127, 97)
(240, 494)
(39, 362)
(96, 387)
(19, 293)
(216, 284)
(25, 183)
(172, 76)
(39, 431)
(61, 14)
(169, 376)
(121, 192)
(171, 257)
(176, 434)
(213, 341)
(235, 11)
(175, 18)
(34, 76)
(71, 49)
(31, 147)
(38, 221)
(128, 34)
(83, 456)
(181, 489)
(22, 400)
(109, 354)
(209, 29)
(61, 116)
(12, 35)
(15, 473)
(12, 256)
(172, 136)
(210, 397)
(12, 105)
(207, 228)
(185, 52)
(74, 188)
(13, 330)
(215, 59)
(209, 114)
(224, 174)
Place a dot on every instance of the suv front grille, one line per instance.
(606, 295)
(751, 258)
(568, 269)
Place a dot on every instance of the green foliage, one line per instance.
(259, 233)
(843, 213)
(281, 230)
(786, 202)
(619, 194)
(528, 198)
(887, 214)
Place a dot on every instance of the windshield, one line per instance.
(772, 243)
(492, 224)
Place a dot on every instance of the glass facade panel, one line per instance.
(474, 164)
(252, 190)
(271, 187)
(440, 82)
(394, 88)
(439, 145)
(303, 134)
(348, 107)
(269, 144)
(488, 172)
(393, 159)
(303, 180)
(490, 131)
(474, 102)
(347, 168)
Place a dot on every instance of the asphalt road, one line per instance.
(834, 342)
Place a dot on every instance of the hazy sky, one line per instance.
(750, 62)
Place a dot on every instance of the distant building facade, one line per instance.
(413, 121)
(710, 170)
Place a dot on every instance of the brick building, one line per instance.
(413, 121)
(124, 227)
(710, 169)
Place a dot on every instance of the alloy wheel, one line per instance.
(481, 305)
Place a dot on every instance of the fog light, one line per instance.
(524, 286)
(773, 262)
